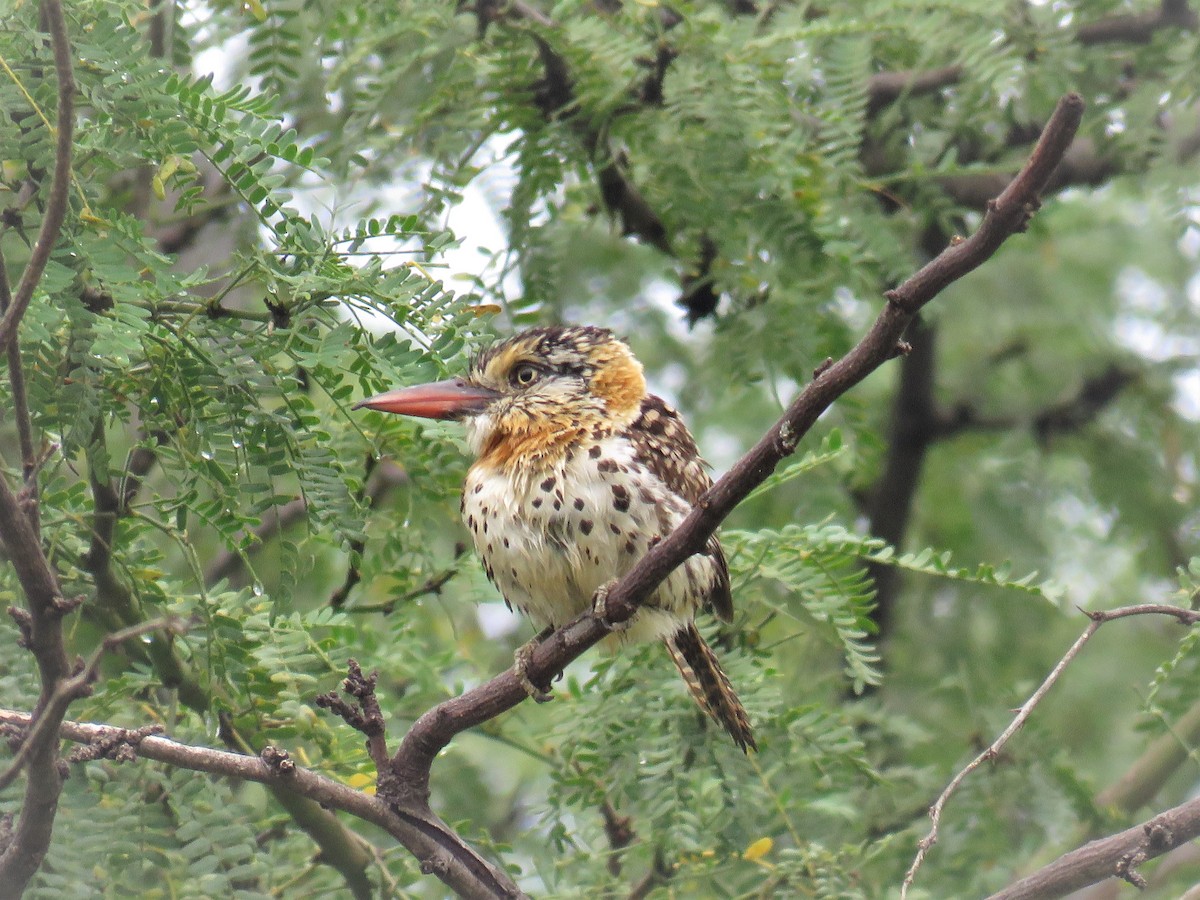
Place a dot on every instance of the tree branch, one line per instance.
(1138, 28)
(60, 183)
(1185, 616)
(275, 769)
(885, 88)
(1118, 856)
(1006, 215)
(22, 536)
(20, 402)
(1160, 760)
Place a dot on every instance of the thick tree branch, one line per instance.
(890, 499)
(1185, 616)
(1138, 28)
(1158, 762)
(885, 88)
(1118, 856)
(1006, 215)
(275, 769)
(43, 632)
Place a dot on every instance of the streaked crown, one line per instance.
(555, 384)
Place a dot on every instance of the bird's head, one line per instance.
(530, 395)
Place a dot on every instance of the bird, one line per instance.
(578, 473)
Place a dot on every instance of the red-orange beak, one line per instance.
(451, 399)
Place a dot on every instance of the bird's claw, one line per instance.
(521, 660)
(600, 609)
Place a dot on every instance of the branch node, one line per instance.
(1159, 836)
(66, 605)
(364, 715)
(433, 865)
(1126, 868)
(24, 622)
(120, 746)
(825, 365)
(902, 348)
(281, 316)
(787, 438)
(277, 760)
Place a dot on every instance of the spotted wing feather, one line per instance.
(663, 444)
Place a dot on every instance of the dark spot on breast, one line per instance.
(620, 497)
(595, 452)
(578, 504)
(630, 547)
(586, 526)
(478, 488)
(646, 497)
(557, 505)
(548, 484)
(613, 527)
(471, 522)
(485, 525)
(606, 465)
(506, 543)
(537, 502)
(488, 571)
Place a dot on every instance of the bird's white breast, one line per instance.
(549, 539)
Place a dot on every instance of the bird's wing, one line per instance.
(663, 444)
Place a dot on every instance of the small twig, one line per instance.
(364, 714)
(431, 585)
(1098, 618)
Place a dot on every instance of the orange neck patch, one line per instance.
(618, 381)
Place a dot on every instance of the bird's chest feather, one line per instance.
(549, 539)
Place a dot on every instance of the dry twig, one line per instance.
(1185, 616)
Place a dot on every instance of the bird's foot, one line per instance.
(521, 660)
(600, 609)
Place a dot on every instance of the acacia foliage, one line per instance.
(247, 255)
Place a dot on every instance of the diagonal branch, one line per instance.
(1006, 215)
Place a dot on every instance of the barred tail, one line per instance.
(710, 685)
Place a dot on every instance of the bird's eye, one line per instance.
(524, 375)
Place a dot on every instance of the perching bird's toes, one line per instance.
(600, 609)
(521, 660)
